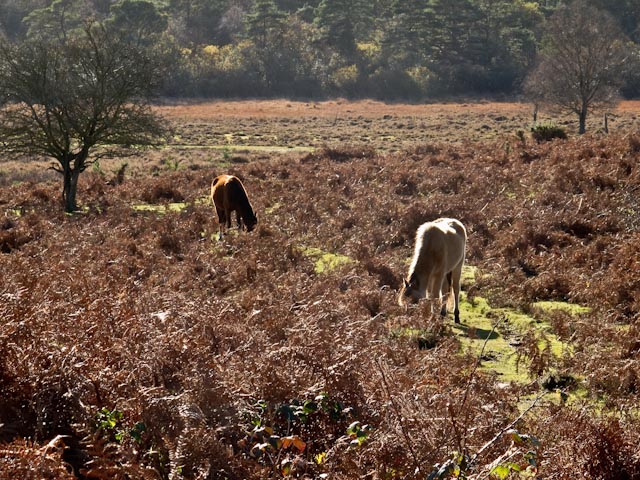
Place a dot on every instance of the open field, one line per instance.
(158, 351)
(389, 127)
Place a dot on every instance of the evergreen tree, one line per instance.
(626, 12)
(451, 27)
(265, 23)
(137, 20)
(344, 22)
(406, 41)
(60, 20)
(198, 21)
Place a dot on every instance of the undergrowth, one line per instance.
(135, 345)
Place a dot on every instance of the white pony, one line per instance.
(437, 264)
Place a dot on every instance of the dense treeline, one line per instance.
(402, 49)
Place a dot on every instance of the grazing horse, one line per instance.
(228, 194)
(437, 264)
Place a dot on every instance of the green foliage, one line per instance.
(358, 433)
(455, 467)
(296, 48)
(110, 422)
(544, 132)
(139, 21)
(108, 419)
(97, 168)
(343, 23)
(524, 465)
(60, 21)
(276, 433)
(172, 163)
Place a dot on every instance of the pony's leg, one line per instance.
(221, 221)
(456, 274)
(435, 288)
(239, 219)
(228, 219)
(446, 292)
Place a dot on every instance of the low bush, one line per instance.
(544, 132)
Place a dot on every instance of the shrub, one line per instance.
(544, 132)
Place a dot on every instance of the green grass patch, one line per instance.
(500, 351)
(272, 208)
(325, 261)
(160, 209)
(570, 308)
(469, 274)
(499, 355)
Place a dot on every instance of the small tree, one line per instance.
(65, 99)
(581, 65)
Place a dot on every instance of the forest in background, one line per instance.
(385, 49)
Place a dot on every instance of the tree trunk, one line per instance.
(72, 166)
(583, 121)
(70, 188)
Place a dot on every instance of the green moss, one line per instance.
(570, 308)
(498, 355)
(326, 261)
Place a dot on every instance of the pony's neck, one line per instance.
(246, 211)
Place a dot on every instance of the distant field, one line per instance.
(382, 125)
(209, 132)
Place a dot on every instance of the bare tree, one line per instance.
(76, 101)
(581, 64)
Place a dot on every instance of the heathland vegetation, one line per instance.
(137, 345)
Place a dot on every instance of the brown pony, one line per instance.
(228, 194)
(437, 264)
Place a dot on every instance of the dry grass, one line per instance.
(159, 352)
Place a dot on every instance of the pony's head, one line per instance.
(410, 292)
(251, 221)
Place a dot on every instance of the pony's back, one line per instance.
(440, 242)
(237, 194)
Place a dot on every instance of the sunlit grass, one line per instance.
(326, 261)
(160, 209)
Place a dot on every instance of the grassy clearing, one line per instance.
(494, 334)
(326, 261)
